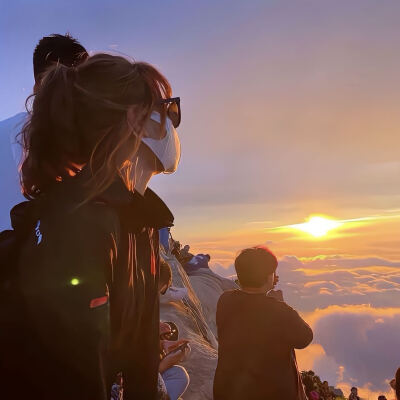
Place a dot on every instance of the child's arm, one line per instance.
(298, 333)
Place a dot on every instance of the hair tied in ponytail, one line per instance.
(71, 75)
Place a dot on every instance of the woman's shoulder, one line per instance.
(66, 216)
(100, 213)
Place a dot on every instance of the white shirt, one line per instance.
(10, 156)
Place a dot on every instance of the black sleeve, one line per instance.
(297, 332)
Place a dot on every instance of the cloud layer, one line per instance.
(357, 345)
(335, 280)
(353, 305)
(325, 281)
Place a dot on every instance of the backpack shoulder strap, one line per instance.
(22, 219)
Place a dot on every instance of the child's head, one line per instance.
(255, 267)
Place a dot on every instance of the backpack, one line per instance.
(14, 324)
(22, 220)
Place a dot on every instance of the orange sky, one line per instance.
(375, 237)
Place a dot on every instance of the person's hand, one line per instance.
(276, 294)
(171, 345)
(173, 358)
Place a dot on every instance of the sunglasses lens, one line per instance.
(174, 114)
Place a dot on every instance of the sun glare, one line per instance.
(317, 226)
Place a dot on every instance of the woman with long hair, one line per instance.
(89, 262)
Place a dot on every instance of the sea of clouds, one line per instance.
(353, 305)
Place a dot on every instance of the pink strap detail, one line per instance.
(99, 301)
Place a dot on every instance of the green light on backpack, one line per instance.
(75, 281)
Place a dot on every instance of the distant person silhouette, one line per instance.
(257, 335)
(50, 49)
(354, 394)
(89, 264)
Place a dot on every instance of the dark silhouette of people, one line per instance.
(354, 394)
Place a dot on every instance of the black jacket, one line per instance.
(257, 335)
(89, 279)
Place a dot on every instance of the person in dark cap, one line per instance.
(55, 48)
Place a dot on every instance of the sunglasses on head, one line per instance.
(173, 105)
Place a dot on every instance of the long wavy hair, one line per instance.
(92, 115)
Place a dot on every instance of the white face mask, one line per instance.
(167, 149)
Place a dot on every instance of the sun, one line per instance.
(317, 226)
